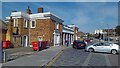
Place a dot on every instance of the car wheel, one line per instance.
(114, 52)
(91, 50)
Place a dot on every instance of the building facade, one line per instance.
(68, 34)
(3, 30)
(106, 32)
(25, 28)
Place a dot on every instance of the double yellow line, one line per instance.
(54, 59)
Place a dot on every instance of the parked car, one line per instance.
(89, 40)
(85, 42)
(108, 47)
(79, 44)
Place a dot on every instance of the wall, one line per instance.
(22, 31)
(60, 29)
(44, 28)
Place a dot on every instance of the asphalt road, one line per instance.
(78, 57)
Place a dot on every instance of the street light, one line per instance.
(107, 31)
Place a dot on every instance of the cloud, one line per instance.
(95, 15)
(57, 10)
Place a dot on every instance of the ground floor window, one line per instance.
(14, 39)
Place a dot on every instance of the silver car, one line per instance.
(108, 47)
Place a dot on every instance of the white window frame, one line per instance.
(25, 23)
(14, 39)
(57, 26)
(40, 37)
(15, 22)
(31, 24)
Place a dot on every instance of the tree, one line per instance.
(117, 30)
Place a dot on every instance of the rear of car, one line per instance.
(79, 44)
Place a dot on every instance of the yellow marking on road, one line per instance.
(54, 59)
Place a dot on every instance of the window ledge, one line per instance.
(32, 27)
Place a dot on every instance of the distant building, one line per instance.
(99, 31)
(109, 32)
(81, 35)
(106, 32)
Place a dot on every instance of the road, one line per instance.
(78, 57)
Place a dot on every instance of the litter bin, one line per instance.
(6, 44)
(44, 44)
(36, 45)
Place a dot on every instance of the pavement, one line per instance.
(15, 53)
(39, 59)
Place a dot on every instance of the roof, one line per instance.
(45, 15)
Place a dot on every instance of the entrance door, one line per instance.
(25, 41)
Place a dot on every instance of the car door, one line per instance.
(98, 47)
(106, 47)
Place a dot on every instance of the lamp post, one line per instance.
(107, 32)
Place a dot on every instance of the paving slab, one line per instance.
(37, 59)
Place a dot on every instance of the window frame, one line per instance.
(25, 23)
(15, 22)
(32, 23)
(57, 26)
(15, 39)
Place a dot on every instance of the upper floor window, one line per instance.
(57, 27)
(33, 24)
(25, 23)
(15, 22)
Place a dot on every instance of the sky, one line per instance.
(88, 16)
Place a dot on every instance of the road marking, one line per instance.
(87, 60)
(107, 60)
(54, 59)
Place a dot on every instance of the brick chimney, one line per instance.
(40, 10)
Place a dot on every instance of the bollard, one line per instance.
(4, 57)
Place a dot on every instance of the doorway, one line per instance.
(25, 41)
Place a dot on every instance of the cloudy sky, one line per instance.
(88, 16)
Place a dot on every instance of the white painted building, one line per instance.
(99, 31)
(68, 34)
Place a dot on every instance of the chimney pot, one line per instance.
(40, 10)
